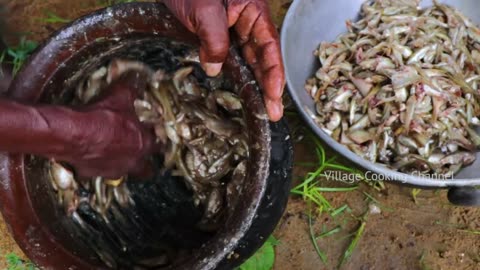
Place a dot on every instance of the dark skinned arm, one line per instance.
(103, 139)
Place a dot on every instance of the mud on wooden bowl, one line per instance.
(149, 33)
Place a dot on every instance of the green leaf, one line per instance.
(264, 258)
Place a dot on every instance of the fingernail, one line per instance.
(274, 109)
(212, 69)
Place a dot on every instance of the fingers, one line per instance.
(243, 16)
(261, 49)
(256, 33)
(211, 26)
(268, 70)
(118, 165)
(207, 19)
(122, 92)
(272, 79)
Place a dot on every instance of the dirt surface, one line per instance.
(429, 234)
(405, 235)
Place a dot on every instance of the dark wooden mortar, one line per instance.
(139, 31)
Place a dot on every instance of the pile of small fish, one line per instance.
(401, 87)
(205, 134)
(203, 131)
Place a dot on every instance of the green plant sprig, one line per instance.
(19, 54)
(14, 262)
(310, 188)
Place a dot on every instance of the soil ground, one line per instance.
(429, 234)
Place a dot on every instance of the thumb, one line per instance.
(212, 29)
(208, 19)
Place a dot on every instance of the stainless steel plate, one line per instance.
(309, 22)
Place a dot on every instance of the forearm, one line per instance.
(41, 130)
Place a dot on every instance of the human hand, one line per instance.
(256, 34)
(112, 142)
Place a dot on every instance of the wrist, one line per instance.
(49, 131)
(66, 130)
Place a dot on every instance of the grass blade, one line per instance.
(329, 233)
(415, 193)
(322, 255)
(339, 210)
(353, 244)
(470, 231)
